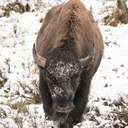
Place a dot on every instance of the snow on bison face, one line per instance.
(63, 76)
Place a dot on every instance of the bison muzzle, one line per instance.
(68, 52)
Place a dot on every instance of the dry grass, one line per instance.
(121, 113)
(3, 80)
(16, 7)
(119, 14)
(20, 106)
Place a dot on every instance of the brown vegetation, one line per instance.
(119, 14)
(15, 6)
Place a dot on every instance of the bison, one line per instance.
(68, 52)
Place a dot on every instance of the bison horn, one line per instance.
(39, 60)
(84, 61)
(90, 58)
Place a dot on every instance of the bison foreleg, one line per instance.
(81, 99)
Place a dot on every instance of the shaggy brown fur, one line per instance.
(74, 23)
(70, 20)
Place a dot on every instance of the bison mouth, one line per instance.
(58, 117)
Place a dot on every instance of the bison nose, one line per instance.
(64, 109)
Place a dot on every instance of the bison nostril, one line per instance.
(64, 109)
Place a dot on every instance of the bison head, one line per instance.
(61, 72)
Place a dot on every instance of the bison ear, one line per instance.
(39, 60)
(84, 62)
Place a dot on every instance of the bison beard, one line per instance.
(68, 52)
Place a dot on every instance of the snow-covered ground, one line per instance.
(19, 86)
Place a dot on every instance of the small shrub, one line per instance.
(15, 6)
(36, 99)
(119, 14)
(20, 106)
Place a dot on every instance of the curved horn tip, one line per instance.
(39, 60)
(84, 61)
